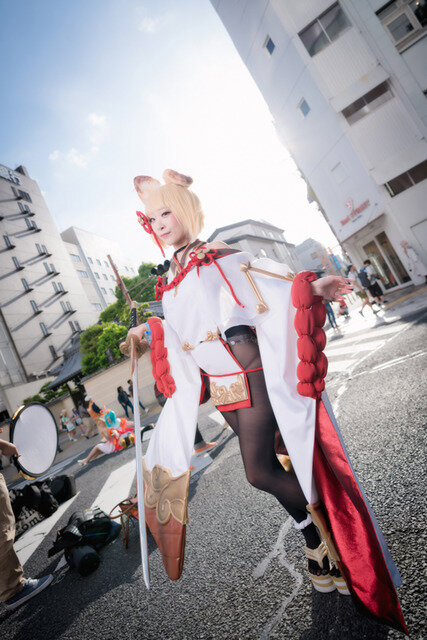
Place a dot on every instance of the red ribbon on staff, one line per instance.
(143, 221)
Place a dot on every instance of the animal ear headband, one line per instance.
(145, 186)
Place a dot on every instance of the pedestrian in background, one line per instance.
(373, 286)
(76, 419)
(68, 426)
(331, 315)
(124, 400)
(87, 420)
(354, 277)
(130, 389)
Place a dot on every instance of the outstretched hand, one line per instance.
(330, 286)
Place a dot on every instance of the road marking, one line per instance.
(278, 551)
(337, 350)
(117, 487)
(29, 541)
(339, 365)
(335, 405)
(391, 363)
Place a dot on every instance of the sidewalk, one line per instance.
(72, 449)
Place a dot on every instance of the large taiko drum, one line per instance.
(33, 431)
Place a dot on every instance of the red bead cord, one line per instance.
(159, 362)
(194, 261)
(143, 221)
(309, 320)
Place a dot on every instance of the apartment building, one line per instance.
(260, 238)
(88, 252)
(42, 301)
(346, 83)
(315, 257)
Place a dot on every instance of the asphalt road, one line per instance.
(244, 574)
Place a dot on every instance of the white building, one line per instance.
(260, 238)
(315, 257)
(42, 301)
(88, 253)
(346, 83)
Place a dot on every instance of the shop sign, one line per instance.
(355, 213)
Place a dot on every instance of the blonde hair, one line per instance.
(184, 204)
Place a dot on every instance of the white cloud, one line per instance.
(54, 155)
(81, 159)
(98, 120)
(150, 25)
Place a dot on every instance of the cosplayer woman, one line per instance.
(249, 333)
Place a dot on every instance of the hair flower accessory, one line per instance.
(143, 221)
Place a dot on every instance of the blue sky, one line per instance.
(95, 92)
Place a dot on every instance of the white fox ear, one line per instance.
(171, 176)
(145, 185)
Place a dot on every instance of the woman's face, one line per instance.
(168, 228)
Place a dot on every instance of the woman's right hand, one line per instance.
(139, 331)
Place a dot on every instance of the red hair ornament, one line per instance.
(145, 224)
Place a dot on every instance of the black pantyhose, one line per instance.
(255, 427)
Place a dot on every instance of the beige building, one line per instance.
(88, 252)
(42, 301)
(260, 238)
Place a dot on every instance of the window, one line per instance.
(96, 306)
(304, 108)
(69, 307)
(126, 269)
(7, 242)
(269, 45)
(72, 327)
(60, 286)
(29, 223)
(64, 308)
(103, 290)
(324, 30)
(16, 263)
(403, 20)
(53, 352)
(45, 332)
(39, 249)
(21, 206)
(24, 195)
(52, 268)
(33, 303)
(55, 287)
(112, 278)
(98, 261)
(46, 266)
(25, 284)
(77, 325)
(34, 225)
(105, 276)
(111, 291)
(407, 179)
(75, 257)
(44, 248)
(96, 275)
(82, 274)
(106, 263)
(367, 103)
(90, 260)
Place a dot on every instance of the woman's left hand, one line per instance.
(330, 286)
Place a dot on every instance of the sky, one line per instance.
(96, 92)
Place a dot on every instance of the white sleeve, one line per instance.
(171, 444)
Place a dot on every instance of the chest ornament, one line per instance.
(200, 257)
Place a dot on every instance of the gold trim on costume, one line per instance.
(261, 307)
(222, 395)
(212, 335)
(187, 346)
(165, 493)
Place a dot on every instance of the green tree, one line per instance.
(118, 311)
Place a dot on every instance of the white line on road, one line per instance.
(278, 551)
(339, 365)
(117, 487)
(29, 541)
(390, 363)
(338, 350)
